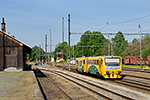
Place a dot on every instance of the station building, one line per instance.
(12, 51)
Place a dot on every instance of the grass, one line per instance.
(136, 66)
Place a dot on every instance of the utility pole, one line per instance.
(93, 47)
(82, 51)
(63, 38)
(63, 35)
(112, 51)
(69, 36)
(45, 48)
(42, 53)
(42, 45)
(39, 52)
(108, 47)
(50, 45)
(73, 51)
(140, 46)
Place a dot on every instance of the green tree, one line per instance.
(78, 50)
(59, 48)
(106, 50)
(96, 42)
(146, 47)
(90, 44)
(118, 41)
(35, 53)
(84, 41)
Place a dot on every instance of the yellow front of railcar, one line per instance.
(111, 67)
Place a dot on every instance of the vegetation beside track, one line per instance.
(136, 66)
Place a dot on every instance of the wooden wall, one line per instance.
(11, 47)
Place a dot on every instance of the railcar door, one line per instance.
(77, 64)
(100, 66)
(80, 67)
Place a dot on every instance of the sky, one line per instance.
(30, 20)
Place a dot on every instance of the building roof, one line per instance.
(27, 47)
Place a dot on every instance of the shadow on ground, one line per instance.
(27, 68)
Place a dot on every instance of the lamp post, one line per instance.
(140, 45)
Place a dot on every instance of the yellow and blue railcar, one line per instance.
(107, 66)
(80, 64)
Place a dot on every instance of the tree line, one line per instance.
(98, 45)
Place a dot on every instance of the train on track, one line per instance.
(135, 60)
(105, 66)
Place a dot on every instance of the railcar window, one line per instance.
(97, 62)
(112, 62)
(102, 62)
(91, 62)
(88, 61)
(83, 61)
(80, 63)
(94, 62)
(77, 62)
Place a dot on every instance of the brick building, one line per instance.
(12, 51)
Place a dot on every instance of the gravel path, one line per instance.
(16, 85)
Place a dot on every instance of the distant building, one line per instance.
(59, 56)
(12, 51)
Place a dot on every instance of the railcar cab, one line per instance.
(111, 67)
(80, 64)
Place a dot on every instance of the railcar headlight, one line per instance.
(119, 72)
(107, 72)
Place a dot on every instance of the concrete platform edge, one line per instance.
(37, 92)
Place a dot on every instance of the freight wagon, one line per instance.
(135, 60)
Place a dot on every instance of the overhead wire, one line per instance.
(83, 25)
(84, 17)
(114, 23)
(104, 26)
(89, 26)
(146, 30)
(137, 27)
(130, 20)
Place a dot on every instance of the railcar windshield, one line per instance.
(112, 61)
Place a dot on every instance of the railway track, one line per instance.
(95, 88)
(49, 88)
(136, 69)
(137, 79)
(138, 76)
(131, 84)
(136, 83)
